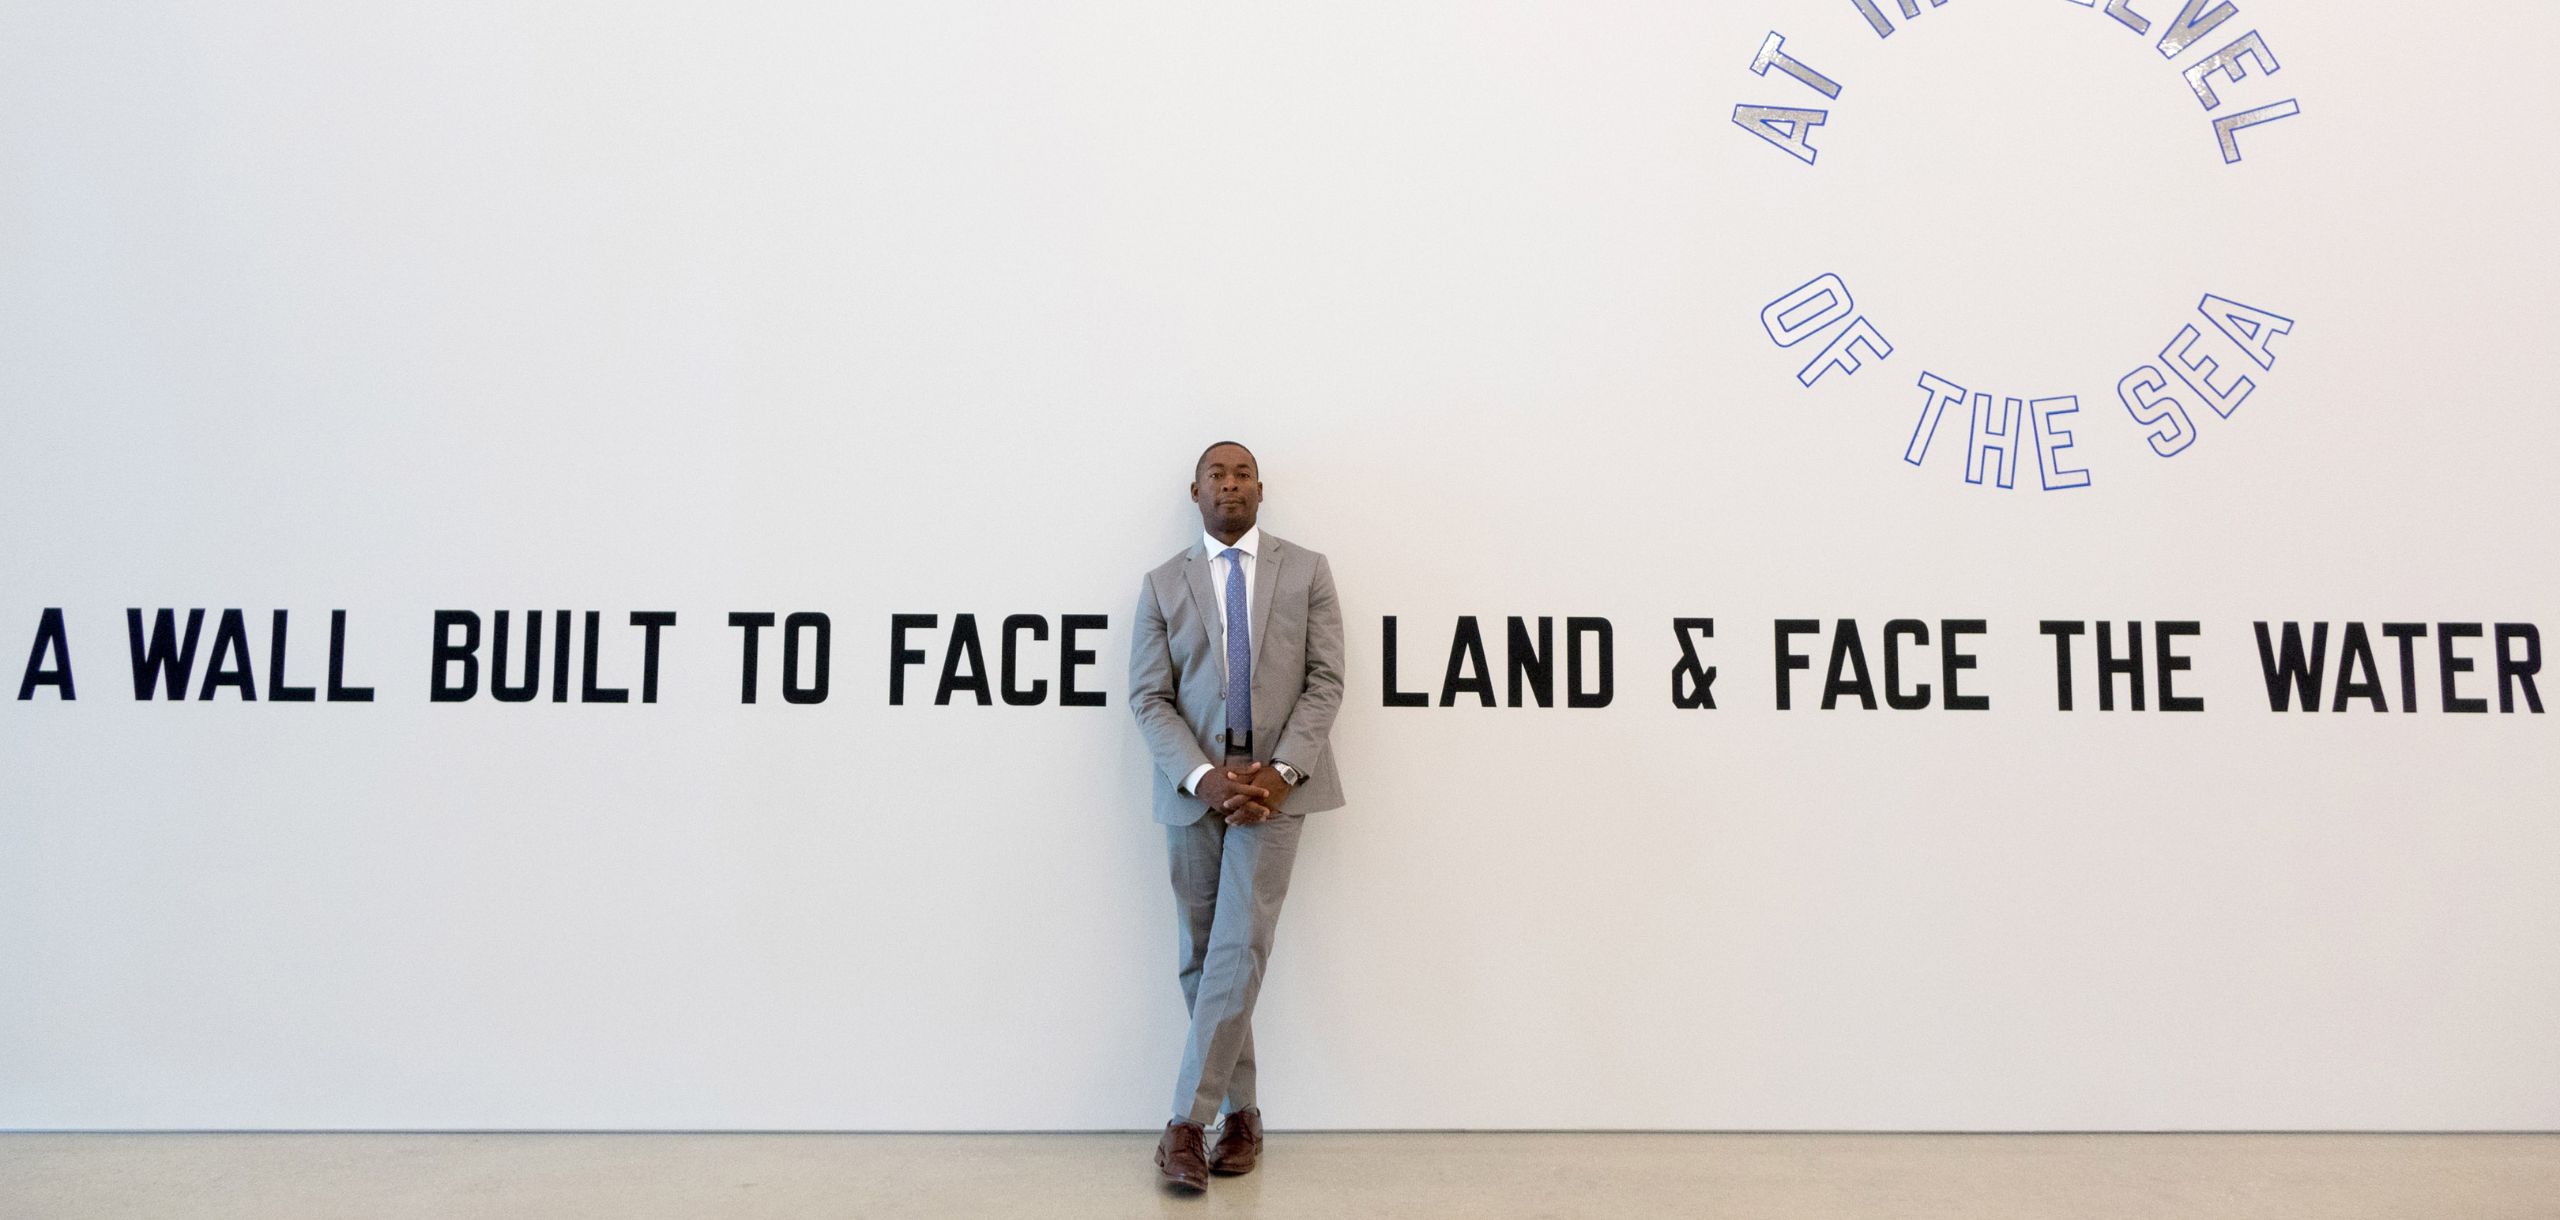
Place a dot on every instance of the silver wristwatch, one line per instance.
(1289, 773)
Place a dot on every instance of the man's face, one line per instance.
(1228, 490)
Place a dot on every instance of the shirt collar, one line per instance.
(1250, 544)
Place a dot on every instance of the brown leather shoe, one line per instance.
(1182, 1156)
(1239, 1143)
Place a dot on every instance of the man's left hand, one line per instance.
(1262, 776)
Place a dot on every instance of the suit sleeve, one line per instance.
(1168, 737)
(1302, 740)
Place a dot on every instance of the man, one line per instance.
(1235, 675)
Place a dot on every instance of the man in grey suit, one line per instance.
(1235, 675)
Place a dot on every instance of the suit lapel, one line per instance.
(1266, 577)
(1204, 600)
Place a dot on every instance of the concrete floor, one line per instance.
(1475, 1176)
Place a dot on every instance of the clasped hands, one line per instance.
(1245, 796)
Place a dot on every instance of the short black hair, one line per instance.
(1198, 466)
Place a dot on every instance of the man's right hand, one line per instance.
(1239, 802)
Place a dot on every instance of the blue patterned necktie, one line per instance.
(1239, 650)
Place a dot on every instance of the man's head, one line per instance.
(1227, 485)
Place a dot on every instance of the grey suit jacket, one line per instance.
(1177, 686)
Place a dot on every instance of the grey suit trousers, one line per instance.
(1228, 882)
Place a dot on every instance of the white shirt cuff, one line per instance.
(1191, 782)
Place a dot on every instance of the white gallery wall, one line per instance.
(880, 309)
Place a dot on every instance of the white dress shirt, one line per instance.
(1250, 544)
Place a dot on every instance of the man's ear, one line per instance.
(1195, 491)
